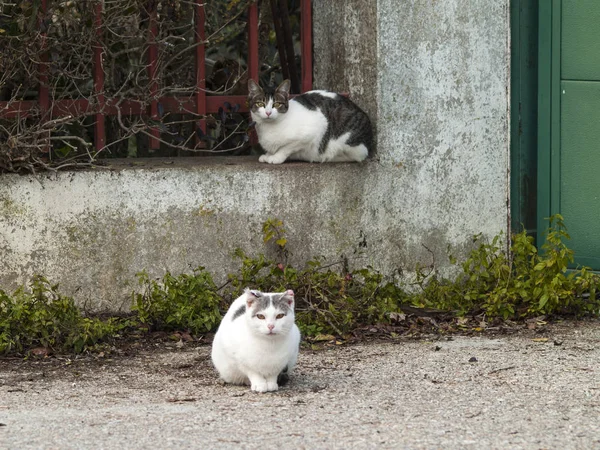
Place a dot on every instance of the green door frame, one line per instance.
(535, 113)
(524, 120)
(548, 149)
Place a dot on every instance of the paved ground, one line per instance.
(521, 392)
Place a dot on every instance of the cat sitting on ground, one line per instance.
(317, 126)
(257, 342)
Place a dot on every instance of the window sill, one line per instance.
(202, 162)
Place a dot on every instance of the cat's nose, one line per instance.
(271, 326)
(268, 113)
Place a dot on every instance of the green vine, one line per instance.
(332, 300)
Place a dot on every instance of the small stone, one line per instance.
(473, 359)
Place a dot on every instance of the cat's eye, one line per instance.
(277, 105)
(261, 316)
(260, 104)
(280, 316)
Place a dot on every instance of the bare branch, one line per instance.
(55, 52)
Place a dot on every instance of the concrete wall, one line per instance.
(345, 35)
(434, 78)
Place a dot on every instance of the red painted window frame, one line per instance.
(201, 103)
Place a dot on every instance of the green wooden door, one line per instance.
(569, 122)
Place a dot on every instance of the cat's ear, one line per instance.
(284, 87)
(251, 296)
(288, 296)
(253, 88)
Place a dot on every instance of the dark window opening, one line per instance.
(95, 79)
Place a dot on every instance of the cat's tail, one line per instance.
(283, 377)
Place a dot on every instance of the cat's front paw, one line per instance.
(272, 386)
(277, 159)
(272, 159)
(260, 387)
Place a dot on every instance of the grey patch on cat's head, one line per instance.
(283, 301)
(258, 96)
(252, 295)
(284, 88)
(255, 95)
(263, 303)
(286, 298)
(255, 292)
(281, 96)
(253, 88)
(239, 312)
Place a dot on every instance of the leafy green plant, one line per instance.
(518, 284)
(273, 231)
(328, 300)
(330, 297)
(184, 302)
(42, 317)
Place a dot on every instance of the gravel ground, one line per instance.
(531, 390)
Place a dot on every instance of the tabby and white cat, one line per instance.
(317, 126)
(257, 342)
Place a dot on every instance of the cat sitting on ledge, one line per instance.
(317, 126)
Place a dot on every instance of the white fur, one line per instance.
(244, 352)
(297, 134)
(323, 93)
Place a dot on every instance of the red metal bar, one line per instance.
(253, 42)
(200, 108)
(177, 105)
(12, 110)
(99, 130)
(44, 93)
(76, 108)
(152, 69)
(306, 44)
(82, 107)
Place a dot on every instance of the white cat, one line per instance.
(257, 341)
(316, 126)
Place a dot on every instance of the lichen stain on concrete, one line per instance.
(11, 211)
